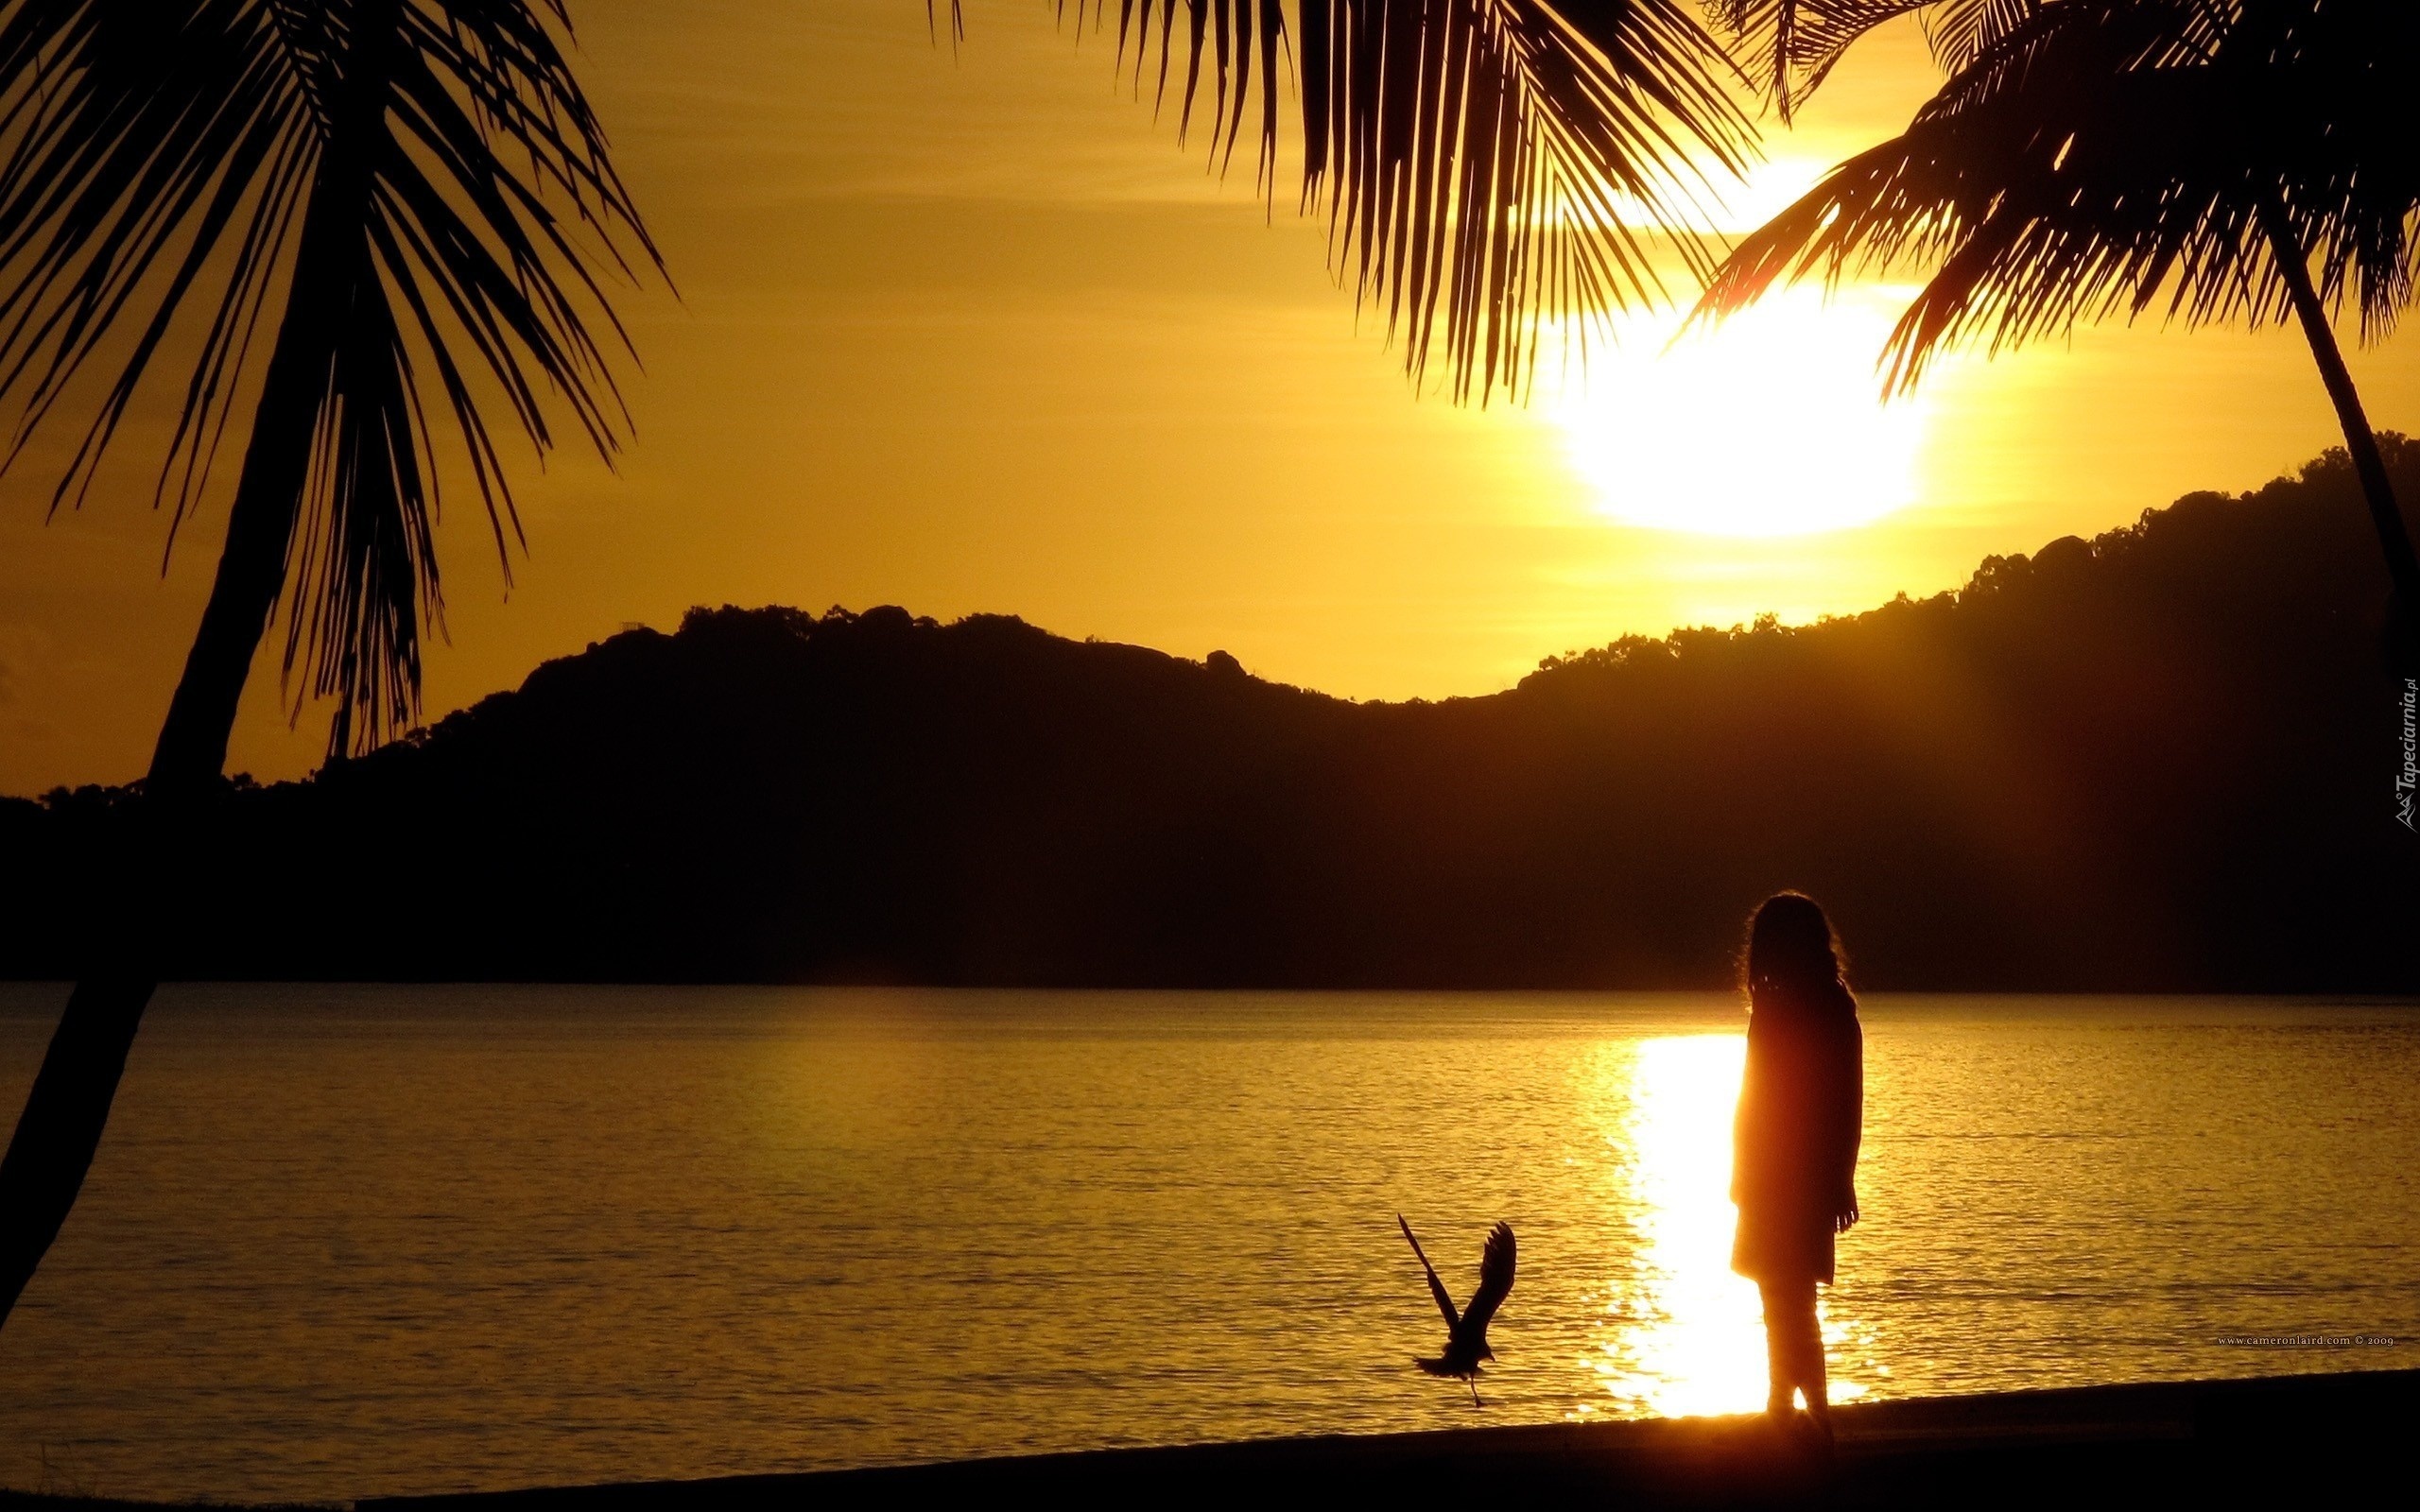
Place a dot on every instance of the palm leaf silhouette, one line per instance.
(1790, 46)
(1487, 168)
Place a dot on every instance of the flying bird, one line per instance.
(1466, 1331)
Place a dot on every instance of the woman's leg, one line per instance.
(1781, 1346)
(1811, 1375)
(1794, 1348)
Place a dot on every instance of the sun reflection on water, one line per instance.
(1683, 1334)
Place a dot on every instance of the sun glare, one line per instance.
(1768, 424)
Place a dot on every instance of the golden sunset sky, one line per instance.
(972, 333)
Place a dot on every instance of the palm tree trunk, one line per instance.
(60, 1126)
(60, 1129)
(192, 751)
(2360, 442)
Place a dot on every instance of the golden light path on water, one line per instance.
(1684, 1334)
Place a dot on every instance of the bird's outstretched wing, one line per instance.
(1436, 1287)
(1495, 1279)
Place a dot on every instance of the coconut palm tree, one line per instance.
(2210, 161)
(411, 201)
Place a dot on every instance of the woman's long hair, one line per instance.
(1793, 957)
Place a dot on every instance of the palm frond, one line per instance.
(424, 184)
(1961, 31)
(2335, 80)
(141, 139)
(2116, 158)
(1790, 47)
(1487, 168)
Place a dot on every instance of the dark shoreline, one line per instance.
(2150, 1443)
(2297, 1438)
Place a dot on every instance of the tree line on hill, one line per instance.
(2164, 759)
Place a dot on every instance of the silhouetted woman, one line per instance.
(1802, 1107)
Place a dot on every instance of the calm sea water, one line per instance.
(346, 1241)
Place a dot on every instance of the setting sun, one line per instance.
(1768, 424)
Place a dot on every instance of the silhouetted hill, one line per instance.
(2163, 759)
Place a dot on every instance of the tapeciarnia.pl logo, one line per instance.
(2407, 780)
